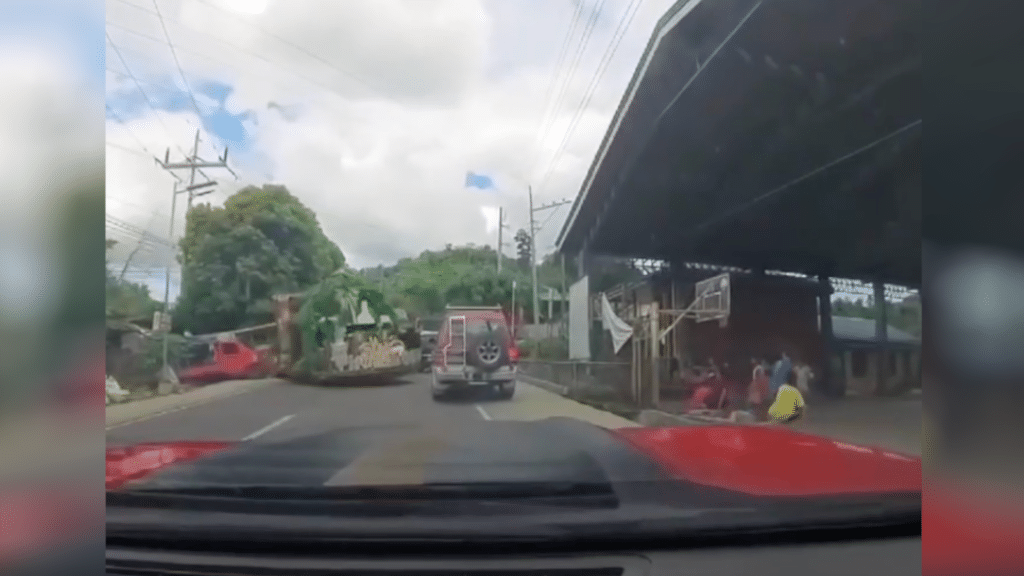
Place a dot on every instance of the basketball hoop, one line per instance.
(711, 300)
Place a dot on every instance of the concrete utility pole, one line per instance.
(515, 322)
(562, 308)
(193, 164)
(501, 224)
(533, 256)
(533, 246)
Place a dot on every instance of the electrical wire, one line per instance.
(556, 72)
(174, 54)
(613, 46)
(362, 82)
(138, 84)
(580, 49)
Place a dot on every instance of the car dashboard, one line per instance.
(878, 557)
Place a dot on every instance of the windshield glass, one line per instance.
(670, 217)
(431, 324)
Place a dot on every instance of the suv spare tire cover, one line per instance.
(488, 351)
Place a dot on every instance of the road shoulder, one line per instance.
(130, 412)
(536, 402)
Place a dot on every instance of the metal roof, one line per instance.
(739, 145)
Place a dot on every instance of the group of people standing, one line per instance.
(774, 392)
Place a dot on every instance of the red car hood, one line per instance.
(775, 461)
(755, 460)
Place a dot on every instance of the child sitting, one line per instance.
(789, 403)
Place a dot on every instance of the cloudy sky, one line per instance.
(370, 111)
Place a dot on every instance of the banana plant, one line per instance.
(330, 307)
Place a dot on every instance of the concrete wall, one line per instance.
(540, 331)
(588, 380)
(860, 367)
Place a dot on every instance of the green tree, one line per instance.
(905, 316)
(263, 241)
(523, 249)
(330, 307)
(467, 275)
(127, 300)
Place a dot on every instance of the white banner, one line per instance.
(579, 320)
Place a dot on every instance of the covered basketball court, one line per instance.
(765, 135)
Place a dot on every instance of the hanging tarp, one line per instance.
(620, 329)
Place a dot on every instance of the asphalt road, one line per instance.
(285, 410)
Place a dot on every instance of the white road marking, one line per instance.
(268, 427)
(482, 412)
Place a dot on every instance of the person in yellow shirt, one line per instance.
(789, 404)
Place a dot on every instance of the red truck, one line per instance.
(214, 359)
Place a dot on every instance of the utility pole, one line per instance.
(501, 224)
(195, 164)
(192, 164)
(515, 322)
(561, 304)
(533, 246)
(533, 256)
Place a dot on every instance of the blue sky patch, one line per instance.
(76, 27)
(219, 91)
(229, 129)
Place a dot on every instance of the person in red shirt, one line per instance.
(758, 392)
(705, 396)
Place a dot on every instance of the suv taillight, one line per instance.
(513, 354)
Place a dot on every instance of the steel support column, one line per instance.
(881, 338)
(828, 383)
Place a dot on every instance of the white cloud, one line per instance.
(453, 85)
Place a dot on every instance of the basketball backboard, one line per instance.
(711, 299)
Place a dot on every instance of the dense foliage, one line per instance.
(262, 242)
(332, 305)
(465, 275)
(906, 316)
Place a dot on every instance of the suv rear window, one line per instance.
(477, 326)
(431, 324)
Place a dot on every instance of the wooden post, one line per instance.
(634, 346)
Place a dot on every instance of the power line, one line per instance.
(365, 84)
(559, 64)
(580, 49)
(138, 84)
(320, 59)
(613, 46)
(174, 54)
(328, 89)
(129, 150)
(130, 131)
(116, 222)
